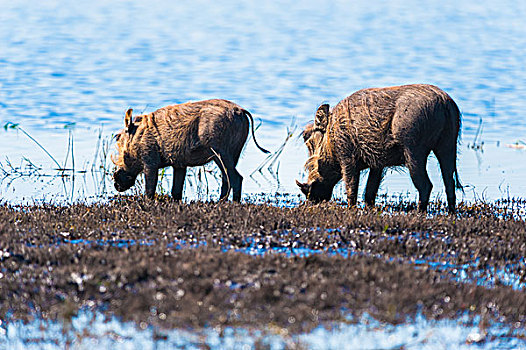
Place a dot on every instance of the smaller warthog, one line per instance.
(184, 135)
(378, 128)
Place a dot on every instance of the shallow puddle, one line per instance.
(89, 330)
(296, 248)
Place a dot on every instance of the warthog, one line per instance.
(378, 128)
(188, 134)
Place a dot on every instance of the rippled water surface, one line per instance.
(74, 67)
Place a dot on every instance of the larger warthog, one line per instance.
(378, 128)
(184, 135)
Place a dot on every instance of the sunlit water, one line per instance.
(80, 65)
(90, 330)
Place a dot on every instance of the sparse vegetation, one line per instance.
(195, 263)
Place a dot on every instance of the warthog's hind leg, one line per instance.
(177, 186)
(447, 160)
(236, 180)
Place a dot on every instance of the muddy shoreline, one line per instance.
(194, 265)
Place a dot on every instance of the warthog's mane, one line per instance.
(319, 145)
(121, 149)
(362, 120)
(366, 118)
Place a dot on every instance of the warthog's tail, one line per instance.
(454, 114)
(247, 113)
(458, 185)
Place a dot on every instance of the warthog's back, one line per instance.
(185, 133)
(209, 110)
(377, 121)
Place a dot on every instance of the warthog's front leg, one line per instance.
(150, 177)
(177, 186)
(373, 183)
(351, 177)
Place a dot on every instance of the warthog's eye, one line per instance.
(132, 129)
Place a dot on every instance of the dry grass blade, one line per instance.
(66, 172)
(477, 140)
(10, 125)
(224, 170)
(271, 159)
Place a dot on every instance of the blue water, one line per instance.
(90, 330)
(80, 65)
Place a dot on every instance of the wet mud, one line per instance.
(194, 265)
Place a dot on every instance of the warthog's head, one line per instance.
(320, 165)
(127, 161)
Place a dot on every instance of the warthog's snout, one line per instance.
(315, 191)
(123, 180)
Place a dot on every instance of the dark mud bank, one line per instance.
(186, 265)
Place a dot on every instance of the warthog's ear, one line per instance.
(128, 118)
(322, 118)
(305, 188)
(307, 132)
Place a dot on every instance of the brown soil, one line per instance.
(204, 281)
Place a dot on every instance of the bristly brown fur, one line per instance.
(172, 129)
(188, 134)
(382, 127)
